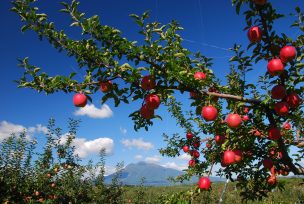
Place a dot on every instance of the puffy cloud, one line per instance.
(138, 157)
(154, 159)
(7, 128)
(173, 165)
(91, 111)
(184, 157)
(137, 143)
(84, 147)
(38, 128)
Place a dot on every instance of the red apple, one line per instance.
(273, 171)
(272, 180)
(278, 92)
(245, 118)
(287, 126)
(288, 53)
(281, 108)
(146, 112)
(274, 133)
(275, 67)
(209, 113)
(147, 83)
(80, 100)
(229, 157)
(189, 135)
(257, 133)
(200, 75)
(106, 86)
(293, 100)
(197, 144)
(260, 2)
(246, 110)
(219, 139)
(267, 163)
(204, 183)
(254, 34)
(234, 120)
(152, 101)
(195, 154)
(185, 148)
(208, 145)
(238, 155)
(191, 163)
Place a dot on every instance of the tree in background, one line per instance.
(251, 126)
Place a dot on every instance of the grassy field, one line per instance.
(293, 193)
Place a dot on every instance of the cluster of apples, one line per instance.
(152, 100)
(80, 99)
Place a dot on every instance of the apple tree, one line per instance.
(248, 129)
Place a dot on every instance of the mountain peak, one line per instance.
(154, 174)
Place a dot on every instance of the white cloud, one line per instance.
(84, 147)
(173, 165)
(184, 157)
(154, 159)
(138, 157)
(91, 111)
(7, 128)
(138, 143)
(38, 128)
(123, 130)
(110, 170)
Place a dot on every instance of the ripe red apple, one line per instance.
(278, 92)
(200, 75)
(272, 180)
(146, 112)
(274, 133)
(254, 34)
(106, 86)
(204, 183)
(191, 163)
(275, 67)
(209, 113)
(287, 126)
(260, 2)
(293, 100)
(80, 100)
(273, 171)
(195, 153)
(267, 163)
(281, 108)
(208, 145)
(257, 133)
(189, 135)
(245, 118)
(288, 53)
(219, 139)
(233, 120)
(152, 101)
(186, 148)
(147, 83)
(246, 110)
(197, 144)
(238, 155)
(229, 157)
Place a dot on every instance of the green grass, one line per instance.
(293, 193)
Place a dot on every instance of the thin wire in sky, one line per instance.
(207, 45)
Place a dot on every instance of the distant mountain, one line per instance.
(155, 175)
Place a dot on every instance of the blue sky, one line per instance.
(205, 23)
